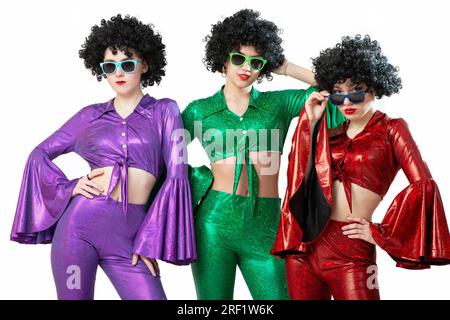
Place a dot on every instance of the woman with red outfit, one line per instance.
(337, 178)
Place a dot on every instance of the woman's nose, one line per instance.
(119, 72)
(347, 101)
(246, 66)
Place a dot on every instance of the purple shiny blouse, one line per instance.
(99, 135)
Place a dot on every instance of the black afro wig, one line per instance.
(125, 34)
(361, 60)
(245, 27)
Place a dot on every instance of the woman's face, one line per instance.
(242, 76)
(124, 83)
(350, 110)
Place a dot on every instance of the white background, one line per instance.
(43, 83)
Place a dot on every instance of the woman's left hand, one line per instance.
(151, 264)
(360, 229)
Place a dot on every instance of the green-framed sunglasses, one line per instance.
(127, 66)
(255, 63)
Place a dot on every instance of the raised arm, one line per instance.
(290, 69)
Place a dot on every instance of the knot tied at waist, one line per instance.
(243, 156)
(339, 174)
(120, 171)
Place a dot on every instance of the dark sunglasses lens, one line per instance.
(237, 60)
(256, 64)
(128, 66)
(357, 96)
(109, 67)
(337, 99)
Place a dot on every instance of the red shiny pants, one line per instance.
(337, 266)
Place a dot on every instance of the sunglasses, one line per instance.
(127, 66)
(355, 97)
(255, 63)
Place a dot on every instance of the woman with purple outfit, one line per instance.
(135, 205)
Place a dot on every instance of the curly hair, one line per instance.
(245, 27)
(361, 60)
(125, 34)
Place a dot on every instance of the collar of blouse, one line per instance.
(217, 102)
(144, 105)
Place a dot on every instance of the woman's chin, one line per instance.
(122, 90)
(242, 83)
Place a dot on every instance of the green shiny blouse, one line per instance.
(263, 127)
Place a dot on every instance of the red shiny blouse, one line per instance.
(414, 230)
(374, 156)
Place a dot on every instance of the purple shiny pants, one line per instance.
(95, 232)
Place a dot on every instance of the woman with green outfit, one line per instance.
(237, 206)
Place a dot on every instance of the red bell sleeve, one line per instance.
(414, 231)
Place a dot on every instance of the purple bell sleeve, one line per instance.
(45, 191)
(167, 232)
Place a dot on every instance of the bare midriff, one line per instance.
(364, 202)
(140, 184)
(267, 167)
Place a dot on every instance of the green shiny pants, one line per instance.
(228, 237)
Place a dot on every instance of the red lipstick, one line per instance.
(349, 110)
(121, 83)
(244, 77)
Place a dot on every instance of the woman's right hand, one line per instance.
(315, 106)
(86, 187)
